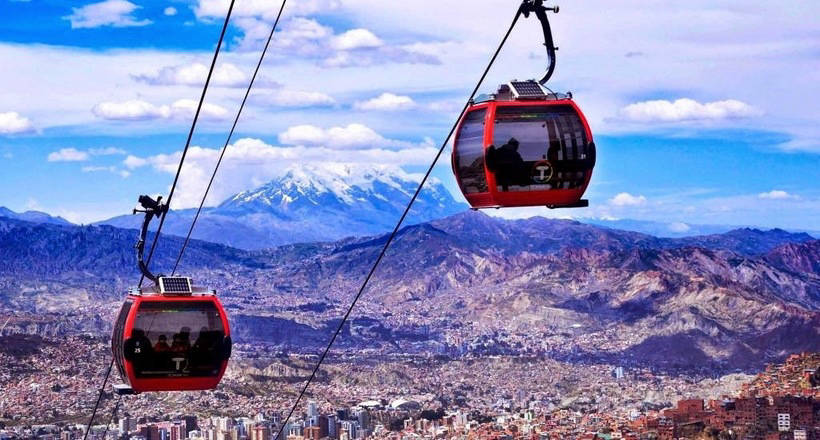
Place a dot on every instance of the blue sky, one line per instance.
(699, 116)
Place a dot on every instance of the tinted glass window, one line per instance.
(537, 148)
(470, 153)
(119, 329)
(177, 339)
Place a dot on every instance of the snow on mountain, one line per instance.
(351, 185)
(315, 203)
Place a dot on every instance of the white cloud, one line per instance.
(225, 75)
(14, 123)
(75, 155)
(68, 155)
(386, 102)
(187, 107)
(249, 163)
(134, 162)
(356, 39)
(686, 109)
(293, 98)
(302, 38)
(131, 110)
(138, 110)
(170, 11)
(116, 13)
(679, 227)
(352, 136)
(107, 151)
(94, 169)
(209, 9)
(627, 199)
(33, 205)
(111, 169)
(777, 194)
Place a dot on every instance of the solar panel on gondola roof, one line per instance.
(175, 285)
(527, 89)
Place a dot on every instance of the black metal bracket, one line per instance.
(583, 203)
(151, 208)
(537, 7)
(124, 390)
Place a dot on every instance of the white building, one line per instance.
(784, 422)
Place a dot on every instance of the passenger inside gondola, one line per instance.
(180, 357)
(552, 134)
(162, 345)
(507, 164)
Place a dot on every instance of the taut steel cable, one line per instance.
(396, 228)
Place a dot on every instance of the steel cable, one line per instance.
(396, 228)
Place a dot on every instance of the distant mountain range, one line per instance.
(33, 216)
(312, 203)
(465, 283)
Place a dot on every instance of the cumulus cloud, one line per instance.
(68, 155)
(267, 9)
(115, 13)
(352, 136)
(132, 110)
(134, 162)
(170, 11)
(627, 199)
(110, 169)
(679, 227)
(377, 56)
(107, 151)
(139, 110)
(356, 39)
(306, 38)
(252, 162)
(14, 123)
(75, 155)
(777, 194)
(225, 75)
(292, 98)
(686, 109)
(386, 102)
(187, 107)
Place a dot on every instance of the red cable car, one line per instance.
(174, 340)
(170, 336)
(524, 145)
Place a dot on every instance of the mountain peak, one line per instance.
(346, 182)
(33, 216)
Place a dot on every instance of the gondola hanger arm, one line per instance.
(537, 7)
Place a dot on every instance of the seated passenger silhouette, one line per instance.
(182, 341)
(162, 345)
(507, 164)
(138, 349)
(205, 353)
(205, 340)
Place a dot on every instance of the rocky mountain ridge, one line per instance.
(464, 284)
(311, 203)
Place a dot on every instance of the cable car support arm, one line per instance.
(151, 208)
(537, 7)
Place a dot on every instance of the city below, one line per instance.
(782, 402)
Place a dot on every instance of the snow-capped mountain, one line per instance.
(314, 203)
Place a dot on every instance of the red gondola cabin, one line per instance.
(523, 146)
(177, 339)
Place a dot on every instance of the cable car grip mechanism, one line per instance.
(151, 208)
(537, 7)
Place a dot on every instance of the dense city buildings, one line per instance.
(781, 403)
